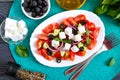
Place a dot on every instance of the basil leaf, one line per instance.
(57, 39)
(87, 32)
(111, 62)
(67, 41)
(22, 51)
(88, 40)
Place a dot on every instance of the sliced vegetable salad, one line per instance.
(62, 41)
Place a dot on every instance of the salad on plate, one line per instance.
(64, 40)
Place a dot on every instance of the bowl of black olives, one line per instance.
(35, 9)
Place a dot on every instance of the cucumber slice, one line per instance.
(80, 45)
(45, 45)
(56, 32)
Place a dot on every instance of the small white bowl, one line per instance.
(35, 18)
(9, 40)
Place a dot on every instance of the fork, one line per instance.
(109, 42)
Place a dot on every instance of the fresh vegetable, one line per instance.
(73, 36)
(109, 7)
(111, 62)
(22, 51)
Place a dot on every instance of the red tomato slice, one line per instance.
(55, 26)
(71, 21)
(81, 53)
(44, 54)
(48, 29)
(72, 55)
(39, 51)
(94, 34)
(90, 26)
(57, 55)
(80, 18)
(65, 22)
(39, 43)
(92, 44)
(43, 36)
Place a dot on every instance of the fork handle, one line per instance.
(75, 76)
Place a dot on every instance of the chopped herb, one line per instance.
(87, 32)
(57, 39)
(87, 40)
(22, 51)
(67, 41)
(111, 62)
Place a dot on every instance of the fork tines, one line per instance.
(112, 40)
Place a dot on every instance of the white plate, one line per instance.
(58, 18)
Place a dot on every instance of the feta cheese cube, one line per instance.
(68, 31)
(17, 37)
(71, 36)
(62, 35)
(81, 29)
(67, 46)
(77, 37)
(10, 24)
(74, 48)
(25, 30)
(21, 24)
(55, 43)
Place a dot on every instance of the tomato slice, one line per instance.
(81, 53)
(39, 43)
(92, 44)
(43, 36)
(90, 26)
(55, 26)
(72, 55)
(45, 55)
(48, 29)
(39, 51)
(66, 23)
(72, 21)
(80, 18)
(57, 55)
(94, 34)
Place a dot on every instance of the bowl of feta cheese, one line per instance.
(13, 30)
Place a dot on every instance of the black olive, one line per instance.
(51, 37)
(62, 26)
(25, 4)
(58, 60)
(74, 31)
(83, 22)
(27, 1)
(27, 9)
(81, 48)
(34, 14)
(49, 52)
(37, 9)
(33, 4)
(39, 1)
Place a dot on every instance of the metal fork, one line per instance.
(110, 41)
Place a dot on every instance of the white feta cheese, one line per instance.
(17, 37)
(68, 31)
(74, 48)
(10, 24)
(55, 43)
(62, 35)
(71, 36)
(77, 37)
(67, 46)
(21, 24)
(15, 29)
(25, 30)
(81, 29)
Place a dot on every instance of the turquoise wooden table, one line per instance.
(96, 70)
